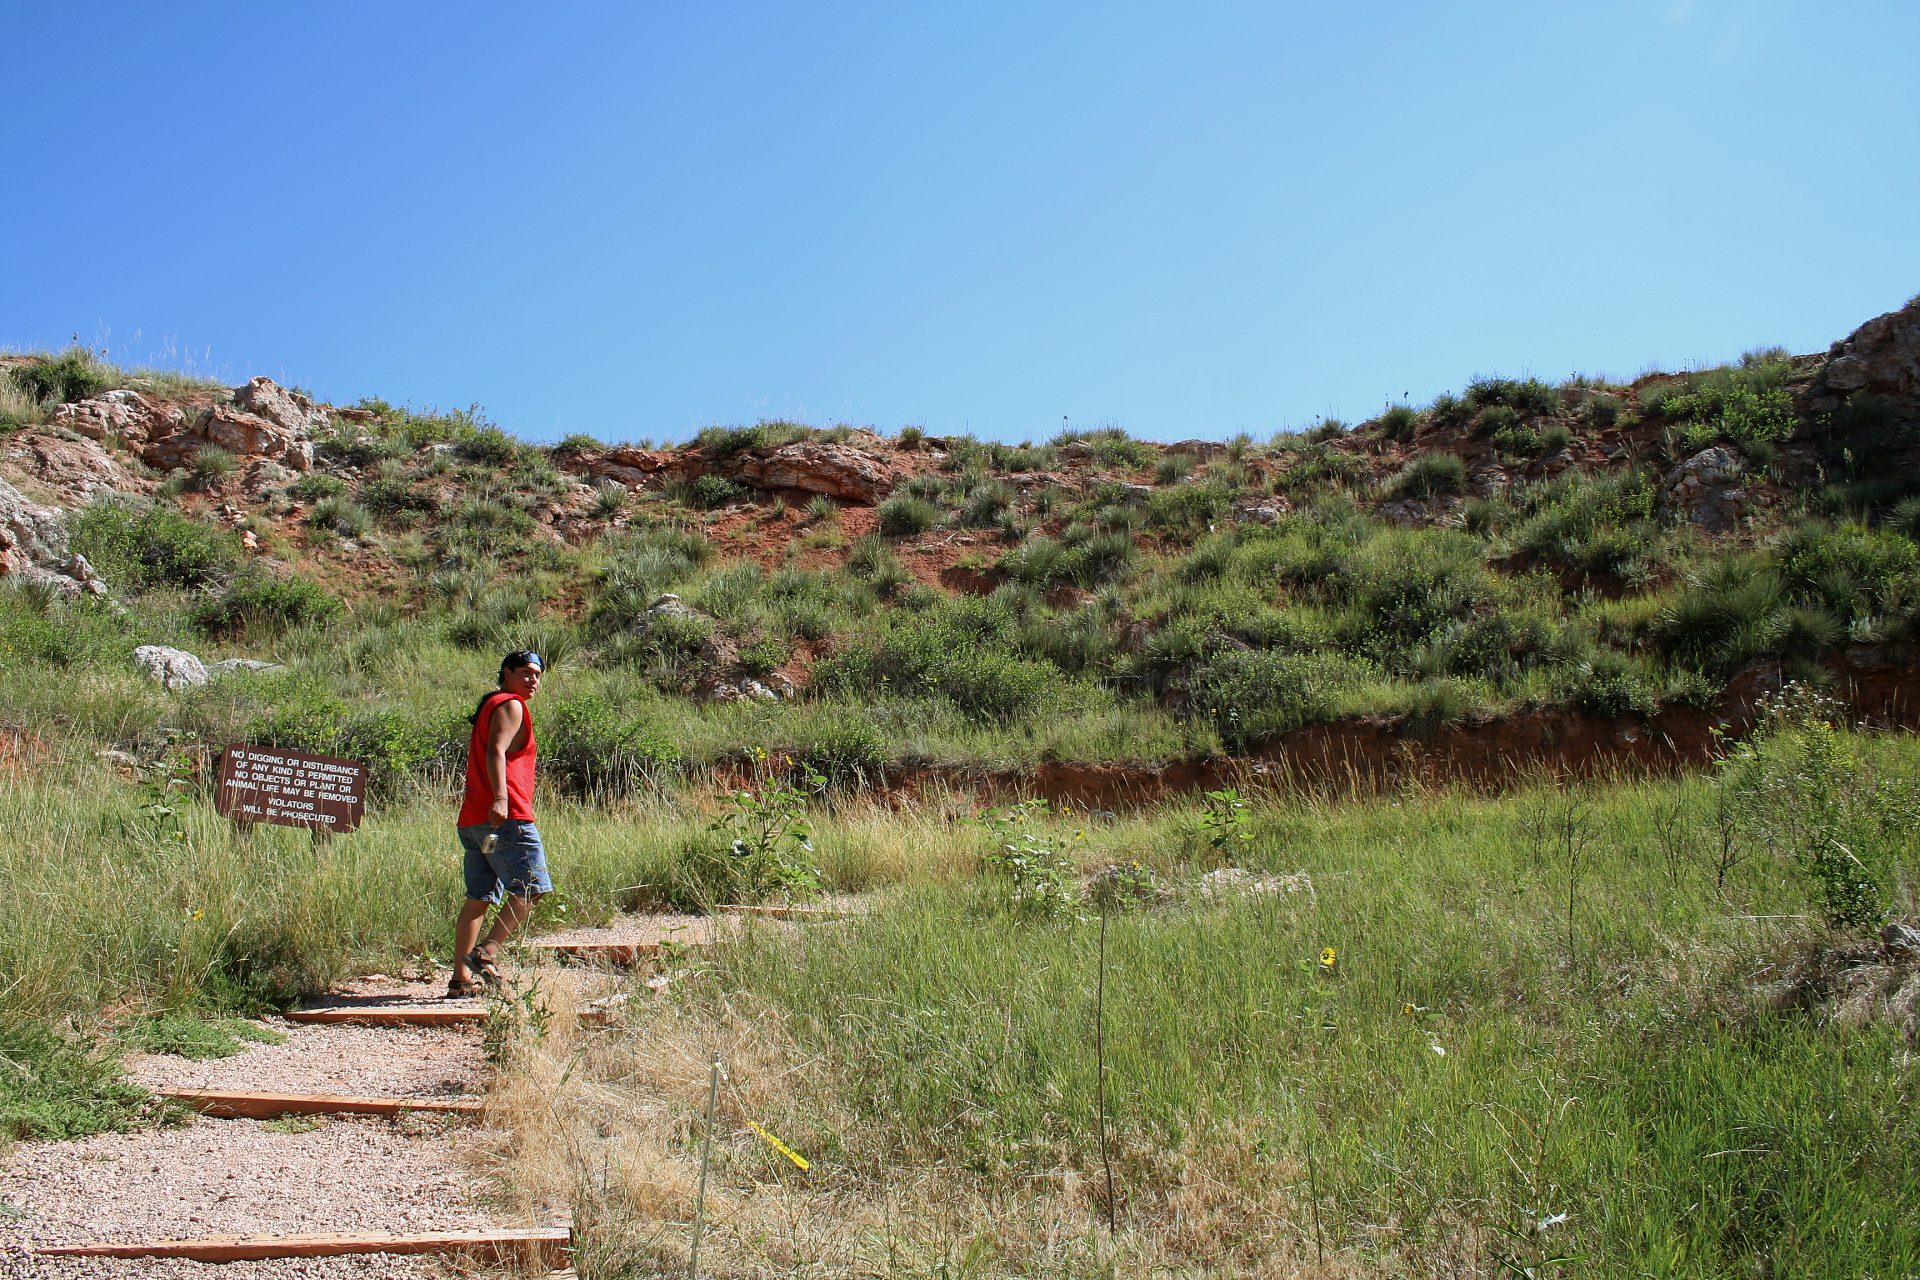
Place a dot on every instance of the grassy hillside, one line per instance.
(1596, 1012)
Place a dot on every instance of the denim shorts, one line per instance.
(517, 865)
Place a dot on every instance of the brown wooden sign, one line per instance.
(292, 788)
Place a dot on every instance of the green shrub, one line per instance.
(845, 750)
(575, 444)
(1730, 613)
(348, 519)
(1399, 423)
(192, 1036)
(960, 656)
(1102, 559)
(316, 485)
(764, 656)
(1450, 411)
(590, 747)
(1119, 452)
(905, 514)
(489, 446)
(986, 503)
(307, 716)
(1037, 562)
(73, 375)
(1429, 476)
(1602, 411)
(711, 491)
(38, 627)
(1247, 694)
(137, 547)
(211, 463)
(254, 602)
(610, 499)
(910, 438)
(1532, 398)
(1172, 468)
(1187, 508)
(1517, 440)
(1610, 684)
(1497, 419)
(1850, 568)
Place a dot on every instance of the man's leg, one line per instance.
(466, 934)
(513, 913)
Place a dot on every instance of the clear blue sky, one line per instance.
(1188, 219)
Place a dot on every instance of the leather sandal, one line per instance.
(462, 989)
(484, 968)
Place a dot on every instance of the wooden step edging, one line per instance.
(387, 1015)
(231, 1103)
(550, 1245)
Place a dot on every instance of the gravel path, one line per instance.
(245, 1177)
(378, 1062)
(635, 930)
(240, 1177)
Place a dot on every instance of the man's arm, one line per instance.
(507, 719)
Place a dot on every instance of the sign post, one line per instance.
(290, 788)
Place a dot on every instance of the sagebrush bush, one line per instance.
(268, 603)
(1429, 476)
(1248, 694)
(337, 515)
(316, 485)
(593, 748)
(138, 546)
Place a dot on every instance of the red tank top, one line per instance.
(477, 806)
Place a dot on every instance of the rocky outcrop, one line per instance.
(813, 466)
(265, 420)
(1881, 358)
(33, 546)
(289, 410)
(1706, 489)
(637, 468)
(123, 414)
(79, 469)
(174, 668)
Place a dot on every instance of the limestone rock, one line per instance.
(123, 413)
(1882, 358)
(174, 668)
(816, 466)
(289, 410)
(636, 468)
(79, 469)
(33, 546)
(251, 435)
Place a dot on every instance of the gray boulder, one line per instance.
(33, 546)
(174, 668)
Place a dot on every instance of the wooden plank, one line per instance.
(387, 1015)
(548, 1244)
(265, 1106)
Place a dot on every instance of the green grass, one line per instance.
(1471, 1063)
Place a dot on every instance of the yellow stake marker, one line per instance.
(780, 1146)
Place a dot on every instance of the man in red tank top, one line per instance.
(503, 853)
